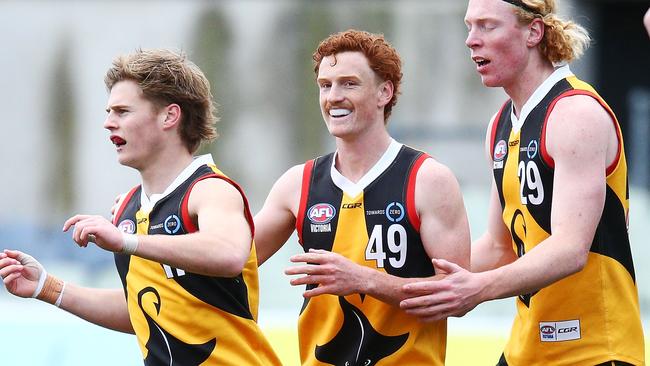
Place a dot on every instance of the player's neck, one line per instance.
(528, 81)
(163, 168)
(356, 157)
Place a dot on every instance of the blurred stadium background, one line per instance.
(58, 161)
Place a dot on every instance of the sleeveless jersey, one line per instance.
(379, 228)
(183, 318)
(591, 316)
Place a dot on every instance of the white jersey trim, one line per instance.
(560, 73)
(147, 203)
(354, 189)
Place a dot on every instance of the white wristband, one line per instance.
(41, 282)
(130, 243)
(60, 298)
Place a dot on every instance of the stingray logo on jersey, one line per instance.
(531, 149)
(500, 151)
(559, 331)
(395, 212)
(320, 216)
(172, 224)
(127, 226)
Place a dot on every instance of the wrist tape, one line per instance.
(52, 291)
(130, 243)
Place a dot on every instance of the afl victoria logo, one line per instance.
(547, 329)
(500, 150)
(127, 226)
(321, 213)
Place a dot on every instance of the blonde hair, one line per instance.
(564, 40)
(167, 77)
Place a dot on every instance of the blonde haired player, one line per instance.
(557, 234)
(182, 239)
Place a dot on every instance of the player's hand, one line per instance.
(455, 294)
(20, 272)
(332, 273)
(95, 229)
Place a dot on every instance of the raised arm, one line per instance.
(23, 276)
(220, 247)
(275, 222)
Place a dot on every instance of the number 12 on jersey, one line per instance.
(396, 243)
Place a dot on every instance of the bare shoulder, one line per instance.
(292, 178)
(215, 190)
(285, 194)
(579, 118)
(436, 188)
(435, 175)
(583, 106)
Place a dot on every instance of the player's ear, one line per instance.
(171, 115)
(385, 93)
(536, 32)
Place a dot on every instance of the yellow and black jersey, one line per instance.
(376, 226)
(589, 317)
(183, 318)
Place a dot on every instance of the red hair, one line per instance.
(382, 57)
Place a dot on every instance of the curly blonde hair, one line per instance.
(564, 40)
(167, 77)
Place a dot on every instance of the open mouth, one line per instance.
(118, 141)
(339, 112)
(480, 62)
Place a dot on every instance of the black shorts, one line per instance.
(502, 362)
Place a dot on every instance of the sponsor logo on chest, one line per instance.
(171, 225)
(127, 226)
(500, 152)
(531, 149)
(320, 216)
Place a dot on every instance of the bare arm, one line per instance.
(494, 248)
(444, 232)
(105, 307)
(275, 222)
(582, 141)
(220, 247)
(222, 244)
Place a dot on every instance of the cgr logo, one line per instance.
(560, 331)
(321, 213)
(567, 330)
(351, 205)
